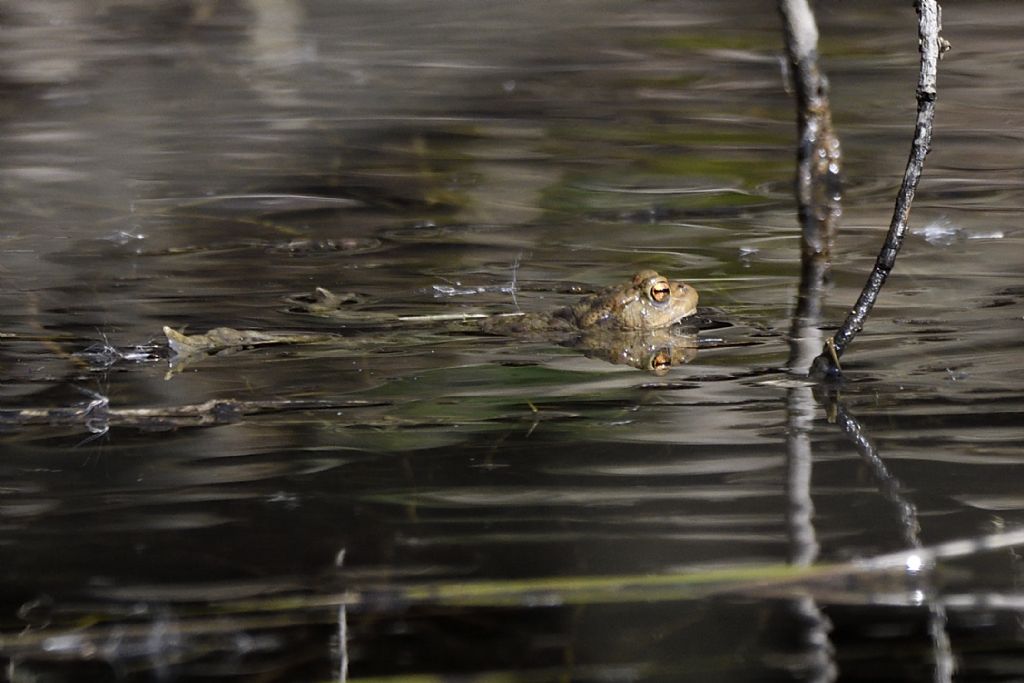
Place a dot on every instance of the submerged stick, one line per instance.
(931, 46)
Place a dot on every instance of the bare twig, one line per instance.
(931, 46)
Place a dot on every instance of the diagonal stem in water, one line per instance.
(931, 46)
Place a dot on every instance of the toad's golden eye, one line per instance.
(658, 290)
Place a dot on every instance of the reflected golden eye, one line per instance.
(661, 361)
(659, 291)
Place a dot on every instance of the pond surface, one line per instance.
(411, 500)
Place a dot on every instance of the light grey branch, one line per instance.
(801, 29)
(818, 152)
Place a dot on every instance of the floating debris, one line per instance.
(457, 289)
(304, 245)
(323, 300)
(104, 354)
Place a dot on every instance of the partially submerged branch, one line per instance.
(818, 151)
(931, 46)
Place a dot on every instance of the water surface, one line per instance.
(412, 499)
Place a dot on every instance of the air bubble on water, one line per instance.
(939, 233)
(747, 254)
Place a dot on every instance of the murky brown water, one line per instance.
(411, 499)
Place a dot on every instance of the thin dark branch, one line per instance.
(931, 46)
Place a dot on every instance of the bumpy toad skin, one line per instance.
(631, 323)
(647, 302)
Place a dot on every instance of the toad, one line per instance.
(630, 323)
(647, 302)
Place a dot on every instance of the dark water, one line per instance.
(414, 502)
